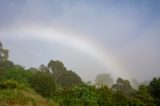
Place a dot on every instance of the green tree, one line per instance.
(105, 96)
(33, 70)
(58, 70)
(7, 64)
(154, 87)
(44, 68)
(62, 76)
(4, 63)
(18, 74)
(144, 96)
(56, 66)
(119, 99)
(43, 83)
(81, 96)
(123, 86)
(3, 53)
(70, 78)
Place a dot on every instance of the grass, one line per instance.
(23, 97)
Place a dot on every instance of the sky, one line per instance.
(119, 37)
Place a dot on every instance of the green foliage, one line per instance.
(81, 95)
(6, 64)
(105, 96)
(136, 102)
(43, 68)
(119, 99)
(43, 83)
(123, 86)
(11, 84)
(18, 74)
(33, 70)
(70, 78)
(63, 77)
(12, 97)
(56, 66)
(22, 97)
(65, 86)
(143, 96)
(154, 88)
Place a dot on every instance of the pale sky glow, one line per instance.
(119, 37)
(83, 45)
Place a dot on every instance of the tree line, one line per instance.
(55, 82)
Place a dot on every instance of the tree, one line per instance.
(33, 70)
(144, 96)
(7, 64)
(105, 96)
(4, 63)
(3, 53)
(104, 79)
(81, 96)
(56, 66)
(154, 88)
(62, 76)
(119, 99)
(58, 70)
(70, 78)
(18, 74)
(43, 83)
(123, 86)
(44, 68)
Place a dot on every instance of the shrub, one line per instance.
(43, 83)
(11, 84)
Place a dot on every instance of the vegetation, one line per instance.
(54, 85)
(43, 83)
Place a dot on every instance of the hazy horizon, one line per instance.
(119, 37)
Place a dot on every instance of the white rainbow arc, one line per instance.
(74, 40)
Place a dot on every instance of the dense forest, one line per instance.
(54, 85)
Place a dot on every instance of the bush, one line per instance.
(18, 74)
(43, 83)
(14, 96)
(81, 96)
(9, 84)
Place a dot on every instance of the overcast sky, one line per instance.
(120, 37)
